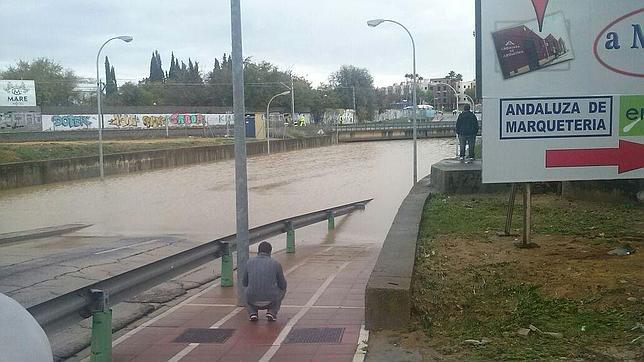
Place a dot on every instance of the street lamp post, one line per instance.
(471, 101)
(268, 125)
(127, 39)
(455, 93)
(375, 22)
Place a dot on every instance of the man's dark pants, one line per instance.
(467, 139)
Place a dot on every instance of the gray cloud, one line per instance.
(314, 38)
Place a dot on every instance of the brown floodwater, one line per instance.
(198, 201)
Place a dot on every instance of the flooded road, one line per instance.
(198, 202)
(140, 218)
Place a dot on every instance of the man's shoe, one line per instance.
(253, 318)
(270, 317)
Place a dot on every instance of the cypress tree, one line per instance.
(172, 74)
(110, 78)
(156, 70)
(113, 76)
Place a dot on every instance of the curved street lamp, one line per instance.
(127, 39)
(471, 101)
(375, 22)
(268, 125)
(455, 94)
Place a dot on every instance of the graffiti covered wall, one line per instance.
(20, 121)
(141, 121)
(145, 121)
(339, 116)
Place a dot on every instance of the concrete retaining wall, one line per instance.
(22, 174)
(451, 176)
(388, 292)
(605, 190)
(376, 135)
(112, 134)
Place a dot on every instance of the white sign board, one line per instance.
(563, 89)
(20, 93)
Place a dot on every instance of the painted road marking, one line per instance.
(126, 247)
(177, 357)
(287, 329)
(361, 350)
(283, 306)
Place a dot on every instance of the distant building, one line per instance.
(86, 88)
(444, 97)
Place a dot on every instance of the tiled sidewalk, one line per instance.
(324, 300)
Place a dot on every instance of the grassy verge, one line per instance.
(35, 151)
(470, 284)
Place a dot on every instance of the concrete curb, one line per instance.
(388, 292)
(40, 233)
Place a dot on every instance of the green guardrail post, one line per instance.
(101, 346)
(290, 238)
(226, 266)
(331, 219)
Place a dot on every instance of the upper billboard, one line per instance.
(20, 93)
(562, 84)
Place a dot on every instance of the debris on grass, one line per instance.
(622, 250)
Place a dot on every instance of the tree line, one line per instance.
(185, 84)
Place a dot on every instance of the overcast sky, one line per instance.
(313, 37)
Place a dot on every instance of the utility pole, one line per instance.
(292, 102)
(241, 177)
(353, 88)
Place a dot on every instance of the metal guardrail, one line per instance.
(397, 126)
(79, 304)
(383, 126)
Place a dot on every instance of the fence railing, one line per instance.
(406, 125)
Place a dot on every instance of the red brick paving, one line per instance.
(340, 305)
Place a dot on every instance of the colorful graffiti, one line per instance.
(25, 121)
(123, 120)
(154, 121)
(187, 119)
(220, 119)
(149, 121)
(339, 116)
(71, 121)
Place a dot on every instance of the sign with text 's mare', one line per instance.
(17, 93)
(562, 84)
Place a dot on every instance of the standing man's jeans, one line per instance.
(470, 140)
(274, 307)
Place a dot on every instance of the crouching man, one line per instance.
(264, 283)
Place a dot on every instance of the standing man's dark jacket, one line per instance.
(467, 124)
(264, 279)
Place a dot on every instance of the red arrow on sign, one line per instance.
(540, 8)
(628, 156)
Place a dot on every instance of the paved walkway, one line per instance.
(321, 319)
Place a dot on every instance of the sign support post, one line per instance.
(508, 218)
(527, 217)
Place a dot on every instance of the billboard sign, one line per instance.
(562, 84)
(17, 93)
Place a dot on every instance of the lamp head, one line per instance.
(284, 93)
(125, 38)
(375, 22)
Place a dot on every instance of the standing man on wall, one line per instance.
(467, 127)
